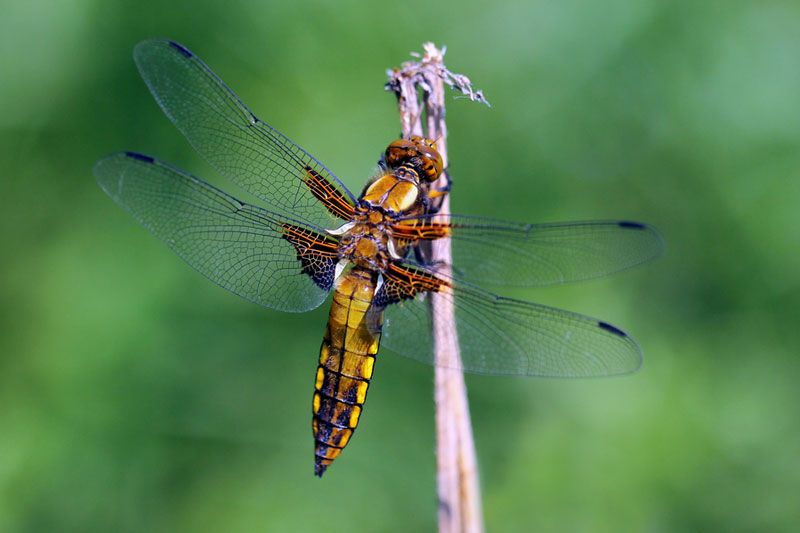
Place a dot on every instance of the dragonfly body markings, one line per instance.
(314, 237)
(352, 336)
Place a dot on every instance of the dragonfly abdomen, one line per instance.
(346, 363)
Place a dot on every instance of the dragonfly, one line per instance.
(313, 237)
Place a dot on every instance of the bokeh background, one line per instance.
(137, 396)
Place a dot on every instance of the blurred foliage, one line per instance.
(137, 396)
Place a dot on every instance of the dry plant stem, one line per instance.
(458, 485)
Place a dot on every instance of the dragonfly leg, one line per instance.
(438, 194)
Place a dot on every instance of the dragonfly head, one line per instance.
(417, 152)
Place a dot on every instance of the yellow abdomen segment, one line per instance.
(346, 362)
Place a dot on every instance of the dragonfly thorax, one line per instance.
(393, 191)
(367, 242)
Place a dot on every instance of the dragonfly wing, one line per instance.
(248, 250)
(495, 252)
(240, 146)
(504, 336)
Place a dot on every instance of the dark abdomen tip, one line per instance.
(320, 466)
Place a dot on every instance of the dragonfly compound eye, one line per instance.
(418, 153)
(430, 162)
(399, 152)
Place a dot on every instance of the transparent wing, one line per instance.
(220, 127)
(238, 246)
(532, 255)
(503, 336)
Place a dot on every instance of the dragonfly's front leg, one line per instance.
(433, 198)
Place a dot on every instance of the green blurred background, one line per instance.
(137, 396)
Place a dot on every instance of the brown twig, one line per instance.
(456, 465)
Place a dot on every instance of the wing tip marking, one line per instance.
(631, 225)
(180, 48)
(140, 157)
(612, 329)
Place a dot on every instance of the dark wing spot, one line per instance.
(180, 49)
(632, 225)
(608, 327)
(140, 157)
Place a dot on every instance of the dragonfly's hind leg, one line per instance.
(422, 255)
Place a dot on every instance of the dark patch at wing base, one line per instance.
(404, 283)
(316, 252)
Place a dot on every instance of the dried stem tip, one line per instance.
(431, 64)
